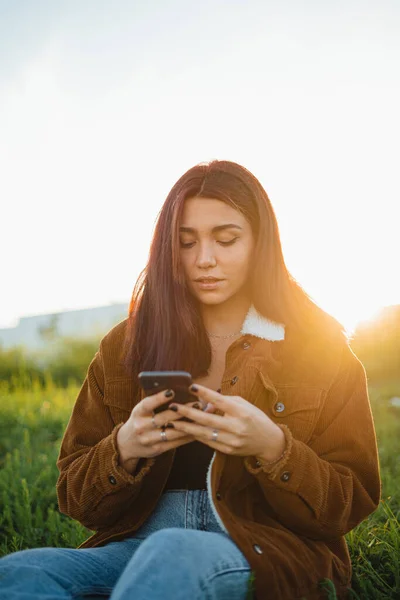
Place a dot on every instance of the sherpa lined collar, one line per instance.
(258, 325)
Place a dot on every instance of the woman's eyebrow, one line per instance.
(214, 229)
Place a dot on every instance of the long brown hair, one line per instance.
(165, 330)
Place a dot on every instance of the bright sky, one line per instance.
(104, 105)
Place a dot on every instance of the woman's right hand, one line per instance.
(138, 438)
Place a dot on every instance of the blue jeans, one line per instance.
(180, 552)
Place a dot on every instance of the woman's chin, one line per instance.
(212, 299)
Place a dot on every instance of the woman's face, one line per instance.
(215, 241)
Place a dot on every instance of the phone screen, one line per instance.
(157, 381)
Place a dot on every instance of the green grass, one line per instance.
(32, 423)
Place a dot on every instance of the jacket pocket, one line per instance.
(298, 407)
(120, 397)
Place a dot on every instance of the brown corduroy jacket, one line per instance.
(289, 520)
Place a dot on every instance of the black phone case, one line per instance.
(157, 381)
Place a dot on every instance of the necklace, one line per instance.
(223, 337)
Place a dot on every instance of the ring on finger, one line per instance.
(214, 435)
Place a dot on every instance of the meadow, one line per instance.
(33, 418)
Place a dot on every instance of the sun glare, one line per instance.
(352, 315)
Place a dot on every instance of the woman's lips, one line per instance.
(209, 285)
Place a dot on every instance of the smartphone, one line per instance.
(157, 381)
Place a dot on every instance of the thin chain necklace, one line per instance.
(223, 337)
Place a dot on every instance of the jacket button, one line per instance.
(279, 407)
(234, 380)
(112, 479)
(246, 346)
(257, 549)
(218, 496)
(285, 476)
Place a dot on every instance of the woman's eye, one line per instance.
(228, 243)
(190, 244)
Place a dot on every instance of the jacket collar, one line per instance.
(258, 325)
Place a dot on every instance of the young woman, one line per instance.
(278, 460)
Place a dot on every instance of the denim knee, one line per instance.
(170, 536)
(205, 564)
(34, 573)
(34, 556)
(171, 542)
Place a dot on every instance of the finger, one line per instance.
(197, 431)
(171, 435)
(205, 419)
(167, 416)
(224, 443)
(224, 403)
(170, 445)
(149, 403)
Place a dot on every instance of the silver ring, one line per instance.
(214, 435)
(164, 436)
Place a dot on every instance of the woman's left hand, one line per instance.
(243, 430)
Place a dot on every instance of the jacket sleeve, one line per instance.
(92, 487)
(324, 489)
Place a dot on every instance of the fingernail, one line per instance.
(173, 407)
(196, 405)
(170, 426)
(194, 388)
(169, 393)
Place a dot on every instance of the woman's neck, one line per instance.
(225, 318)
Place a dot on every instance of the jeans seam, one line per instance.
(203, 511)
(186, 507)
(207, 509)
(230, 570)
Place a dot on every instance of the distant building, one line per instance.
(37, 332)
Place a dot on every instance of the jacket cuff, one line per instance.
(288, 471)
(113, 476)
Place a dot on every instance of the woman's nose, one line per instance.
(205, 257)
